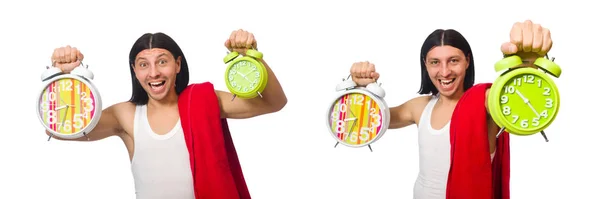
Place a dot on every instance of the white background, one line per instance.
(310, 45)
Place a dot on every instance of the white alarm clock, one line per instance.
(68, 105)
(358, 116)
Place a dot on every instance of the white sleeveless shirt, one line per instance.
(434, 157)
(160, 163)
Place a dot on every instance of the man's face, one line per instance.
(447, 66)
(156, 69)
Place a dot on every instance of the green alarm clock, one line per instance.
(246, 77)
(524, 100)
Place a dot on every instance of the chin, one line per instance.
(448, 88)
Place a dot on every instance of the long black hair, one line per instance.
(156, 40)
(447, 37)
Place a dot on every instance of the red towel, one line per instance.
(215, 166)
(472, 174)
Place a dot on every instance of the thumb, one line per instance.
(509, 48)
(375, 75)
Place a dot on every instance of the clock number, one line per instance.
(504, 99)
(88, 105)
(524, 123)
(546, 91)
(528, 79)
(52, 96)
(539, 83)
(375, 123)
(65, 86)
(253, 67)
(364, 133)
(506, 110)
(544, 114)
(82, 95)
(230, 77)
(257, 74)
(358, 100)
(509, 89)
(66, 126)
(517, 81)
(343, 108)
(548, 103)
(51, 117)
(515, 118)
(340, 126)
(78, 120)
(535, 121)
(45, 106)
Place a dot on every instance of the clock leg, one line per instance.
(336, 144)
(233, 97)
(85, 134)
(370, 148)
(545, 137)
(259, 94)
(500, 132)
(49, 137)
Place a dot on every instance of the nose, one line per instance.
(445, 71)
(154, 72)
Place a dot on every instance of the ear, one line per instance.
(178, 64)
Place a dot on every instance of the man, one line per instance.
(447, 73)
(161, 134)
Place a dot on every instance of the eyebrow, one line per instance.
(162, 54)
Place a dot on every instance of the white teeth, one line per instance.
(447, 82)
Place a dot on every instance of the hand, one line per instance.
(66, 58)
(363, 73)
(240, 41)
(528, 40)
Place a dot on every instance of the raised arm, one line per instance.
(273, 98)
(66, 58)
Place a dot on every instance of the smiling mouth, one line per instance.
(447, 82)
(156, 85)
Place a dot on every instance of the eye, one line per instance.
(143, 64)
(434, 62)
(162, 62)
(454, 60)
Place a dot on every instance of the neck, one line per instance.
(167, 102)
(451, 100)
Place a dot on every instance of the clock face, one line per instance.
(67, 106)
(244, 76)
(355, 119)
(528, 103)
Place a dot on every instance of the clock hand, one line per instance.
(63, 119)
(527, 102)
(349, 119)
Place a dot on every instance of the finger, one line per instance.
(73, 54)
(509, 48)
(231, 40)
(67, 52)
(527, 36)
(250, 41)
(375, 75)
(240, 39)
(516, 35)
(538, 38)
(547, 42)
(80, 55)
(370, 70)
(364, 70)
(61, 56)
(54, 57)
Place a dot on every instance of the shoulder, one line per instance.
(420, 102)
(123, 112)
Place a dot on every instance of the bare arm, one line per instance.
(107, 126)
(273, 99)
(407, 113)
